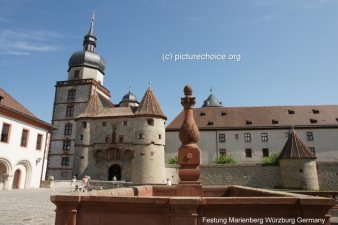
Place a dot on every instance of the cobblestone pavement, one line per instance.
(28, 206)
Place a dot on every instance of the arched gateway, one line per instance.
(114, 170)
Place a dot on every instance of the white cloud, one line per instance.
(23, 42)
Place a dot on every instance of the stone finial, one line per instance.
(188, 90)
(189, 153)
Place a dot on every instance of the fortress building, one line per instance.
(252, 133)
(24, 145)
(100, 139)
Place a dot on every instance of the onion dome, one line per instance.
(88, 57)
(130, 97)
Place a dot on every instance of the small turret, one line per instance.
(298, 165)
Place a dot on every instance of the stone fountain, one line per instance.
(189, 203)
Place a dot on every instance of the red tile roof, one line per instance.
(295, 148)
(261, 117)
(149, 105)
(11, 103)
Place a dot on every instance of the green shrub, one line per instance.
(173, 160)
(273, 158)
(225, 159)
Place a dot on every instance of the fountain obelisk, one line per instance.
(189, 155)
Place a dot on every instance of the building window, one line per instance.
(248, 153)
(202, 114)
(68, 129)
(106, 140)
(222, 152)
(236, 136)
(221, 137)
(24, 137)
(247, 137)
(63, 173)
(71, 94)
(274, 121)
(309, 136)
(140, 136)
(81, 137)
(121, 139)
(264, 137)
(159, 136)
(291, 112)
(223, 114)
(315, 111)
(5, 133)
(125, 123)
(84, 124)
(65, 161)
(76, 73)
(66, 145)
(312, 149)
(313, 121)
(248, 122)
(150, 122)
(210, 123)
(104, 124)
(265, 152)
(70, 110)
(38, 142)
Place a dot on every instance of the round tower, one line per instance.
(298, 165)
(149, 133)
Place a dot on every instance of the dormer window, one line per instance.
(202, 114)
(274, 121)
(315, 111)
(223, 114)
(291, 112)
(313, 121)
(248, 122)
(210, 123)
(77, 74)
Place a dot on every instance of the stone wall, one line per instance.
(256, 175)
(327, 176)
(251, 175)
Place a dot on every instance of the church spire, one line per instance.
(89, 42)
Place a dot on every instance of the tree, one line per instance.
(273, 158)
(173, 160)
(225, 159)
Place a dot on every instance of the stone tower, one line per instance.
(297, 164)
(85, 74)
(124, 141)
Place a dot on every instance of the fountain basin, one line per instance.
(218, 205)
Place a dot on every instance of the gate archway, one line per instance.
(114, 170)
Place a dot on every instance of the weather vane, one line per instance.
(149, 84)
(210, 89)
(93, 17)
(130, 87)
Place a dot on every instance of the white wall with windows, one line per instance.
(250, 146)
(22, 150)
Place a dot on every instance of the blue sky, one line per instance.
(288, 49)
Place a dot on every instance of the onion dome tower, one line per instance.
(129, 100)
(297, 164)
(87, 64)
